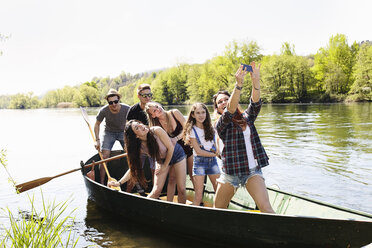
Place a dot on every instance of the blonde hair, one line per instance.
(155, 121)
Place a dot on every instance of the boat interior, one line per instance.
(282, 202)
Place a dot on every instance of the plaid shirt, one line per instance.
(234, 154)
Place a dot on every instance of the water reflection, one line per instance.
(111, 230)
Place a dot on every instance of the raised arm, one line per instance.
(239, 76)
(235, 96)
(255, 76)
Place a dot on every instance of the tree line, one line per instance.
(337, 72)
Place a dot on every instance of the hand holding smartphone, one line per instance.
(247, 67)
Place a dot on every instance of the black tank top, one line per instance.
(176, 132)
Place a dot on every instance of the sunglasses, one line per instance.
(112, 102)
(149, 95)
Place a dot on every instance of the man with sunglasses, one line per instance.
(136, 111)
(115, 114)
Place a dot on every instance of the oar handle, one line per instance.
(105, 160)
(37, 182)
(104, 165)
(85, 116)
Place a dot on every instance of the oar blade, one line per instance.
(32, 184)
(85, 114)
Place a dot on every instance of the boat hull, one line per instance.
(230, 227)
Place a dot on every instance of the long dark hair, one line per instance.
(133, 148)
(191, 121)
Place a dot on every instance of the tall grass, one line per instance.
(46, 228)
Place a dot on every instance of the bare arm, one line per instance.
(96, 133)
(235, 96)
(123, 180)
(167, 142)
(200, 151)
(239, 76)
(255, 76)
(179, 116)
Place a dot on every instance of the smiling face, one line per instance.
(221, 102)
(155, 111)
(199, 114)
(113, 102)
(139, 129)
(145, 96)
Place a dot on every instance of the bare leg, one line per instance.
(257, 189)
(224, 193)
(213, 179)
(190, 164)
(102, 172)
(171, 188)
(159, 181)
(198, 187)
(180, 169)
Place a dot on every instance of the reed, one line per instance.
(46, 228)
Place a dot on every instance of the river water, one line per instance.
(319, 151)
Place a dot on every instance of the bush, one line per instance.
(43, 229)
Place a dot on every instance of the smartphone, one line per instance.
(247, 67)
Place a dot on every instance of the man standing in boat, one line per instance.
(115, 115)
(136, 112)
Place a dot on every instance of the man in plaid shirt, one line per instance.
(243, 155)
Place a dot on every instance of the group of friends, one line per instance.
(175, 146)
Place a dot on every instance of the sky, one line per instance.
(54, 43)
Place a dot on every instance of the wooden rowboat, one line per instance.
(299, 222)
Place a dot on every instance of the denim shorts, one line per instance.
(205, 166)
(178, 155)
(109, 139)
(237, 181)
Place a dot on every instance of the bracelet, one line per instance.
(256, 88)
(238, 87)
(119, 183)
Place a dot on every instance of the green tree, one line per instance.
(243, 52)
(24, 101)
(53, 97)
(176, 84)
(127, 93)
(87, 96)
(192, 86)
(218, 73)
(362, 86)
(333, 65)
(287, 49)
(160, 90)
(286, 77)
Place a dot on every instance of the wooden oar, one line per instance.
(37, 182)
(109, 178)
